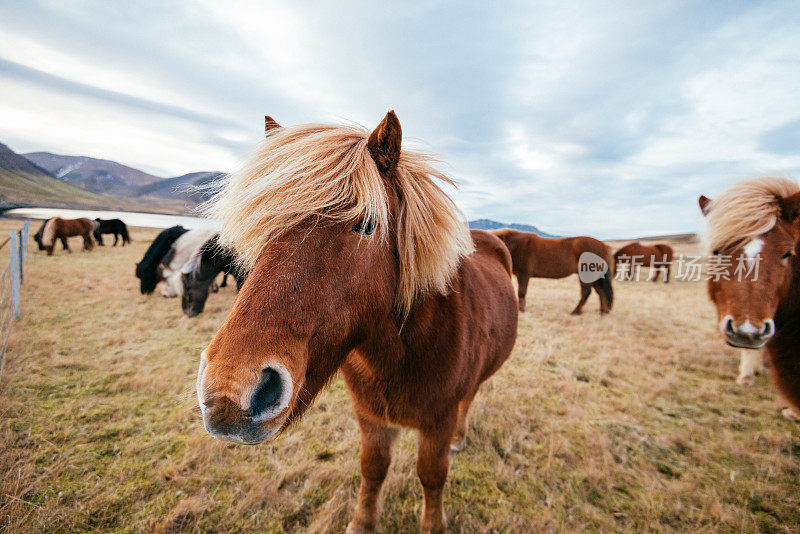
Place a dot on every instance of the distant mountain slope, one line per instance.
(11, 161)
(180, 187)
(95, 175)
(23, 181)
(488, 224)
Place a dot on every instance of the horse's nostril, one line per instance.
(729, 326)
(769, 328)
(268, 392)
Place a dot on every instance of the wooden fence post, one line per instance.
(15, 272)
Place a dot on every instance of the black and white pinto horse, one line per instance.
(149, 271)
(111, 226)
(199, 274)
(184, 250)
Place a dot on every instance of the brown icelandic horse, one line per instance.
(360, 262)
(633, 256)
(60, 229)
(534, 256)
(753, 231)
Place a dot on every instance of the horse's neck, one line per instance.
(789, 306)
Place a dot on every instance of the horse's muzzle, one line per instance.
(256, 417)
(746, 335)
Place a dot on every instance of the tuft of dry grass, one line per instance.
(623, 423)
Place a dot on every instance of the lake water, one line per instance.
(147, 220)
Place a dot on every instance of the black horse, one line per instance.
(197, 282)
(111, 226)
(148, 270)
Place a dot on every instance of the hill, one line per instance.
(95, 175)
(22, 181)
(488, 224)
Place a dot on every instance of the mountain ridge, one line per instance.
(490, 224)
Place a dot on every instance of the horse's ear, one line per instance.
(270, 124)
(790, 207)
(384, 143)
(704, 201)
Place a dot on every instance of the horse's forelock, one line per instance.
(299, 173)
(747, 210)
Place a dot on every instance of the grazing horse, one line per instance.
(753, 231)
(111, 226)
(542, 257)
(635, 255)
(182, 253)
(148, 271)
(360, 262)
(199, 273)
(61, 229)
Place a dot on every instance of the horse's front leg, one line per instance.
(376, 455)
(750, 365)
(64, 244)
(433, 460)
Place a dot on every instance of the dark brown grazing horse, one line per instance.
(360, 262)
(755, 227)
(61, 229)
(534, 256)
(635, 255)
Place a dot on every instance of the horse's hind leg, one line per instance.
(462, 424)
(376, 455)
(433, 460)
(604, 307)
(116, 238)
(586, 290)
(522, 290)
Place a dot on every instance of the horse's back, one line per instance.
(188, 245)
(584, 243)
(489, 247)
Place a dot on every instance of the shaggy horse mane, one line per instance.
(49, 232)
(318, 172)
(748, 209)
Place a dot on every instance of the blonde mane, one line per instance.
(748, 209)
(49, 232)
(320, 172)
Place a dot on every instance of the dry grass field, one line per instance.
(630, 422)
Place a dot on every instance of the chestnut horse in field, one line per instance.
(634, 255)
(60, 229)
(358, 261)
(754, 227)
(534, 256)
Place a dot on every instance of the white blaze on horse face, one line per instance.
(747, 328)
(753, 249)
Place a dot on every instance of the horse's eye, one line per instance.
(365, 226)
(788, 255)
(716, 253)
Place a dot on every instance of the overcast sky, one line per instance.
(598, 118)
